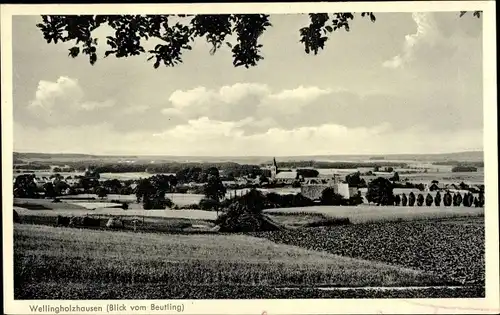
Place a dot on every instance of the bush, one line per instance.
(300, 200)
(124, 206)
(411, 199)
(157, 203)
(420, 200)
(244, 214)
(447, 200)
(330, 198)
(457, 200)
(208, 204)
(429, 200)
(296, 184)
(274, 200)
(404, 200)
(397, 200)
(193, 206)
(468, 199)
(356, 200)
(437, 199)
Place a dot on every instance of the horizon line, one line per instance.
(241, 156)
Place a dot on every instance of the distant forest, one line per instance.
(339, 165)
(460, 163)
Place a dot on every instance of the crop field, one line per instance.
(452, 249)
(65, 263)
(365, 213)
(447, 177)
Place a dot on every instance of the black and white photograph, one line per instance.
(224, 154)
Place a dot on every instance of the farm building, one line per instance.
(313, 188)
(286, 177)
(314, 192)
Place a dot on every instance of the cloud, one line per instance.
(441, 43)
(63, 102)
(135, 109)
(301, 93)
(207, 137)
(425, 35)
(261, 108)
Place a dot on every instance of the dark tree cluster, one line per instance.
(355, 180)
(151, 191)
(380, 192)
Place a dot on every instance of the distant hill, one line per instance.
(66, 157)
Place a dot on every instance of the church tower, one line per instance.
(274, 169)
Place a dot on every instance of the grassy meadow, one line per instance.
(49, 258)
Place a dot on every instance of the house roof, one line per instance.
(286, 175)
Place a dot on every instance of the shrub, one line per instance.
(481, 199)
(330, 198)
(300, 200)
(447, 200)
(244, 214)
(420, 200)
(476, 202)
(208, 204)
(404, 200)
(157, 203)
(124, 206)
(274, 200)
(437, 199)
(411, 199)
(420, 187)
(193, 206)
(468, 199)
(356, 200)
(457, 200)
(397, 200)
(296, 184)
(429, 200)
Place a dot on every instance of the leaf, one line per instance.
(329, 28)
(150, 58)
(229, 45)
(462, 13)
(109, 52)
(93, 59)
(74, 51)
(157, 64)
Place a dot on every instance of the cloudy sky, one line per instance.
(408, 83)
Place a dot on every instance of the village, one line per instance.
(63, 180)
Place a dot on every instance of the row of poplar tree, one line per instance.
(467, 200)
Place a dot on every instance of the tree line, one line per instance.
(338, 165)
(380, 192)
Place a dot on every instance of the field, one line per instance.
(365, 213)
(108, 265)
(449, 248)
(188, 214)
